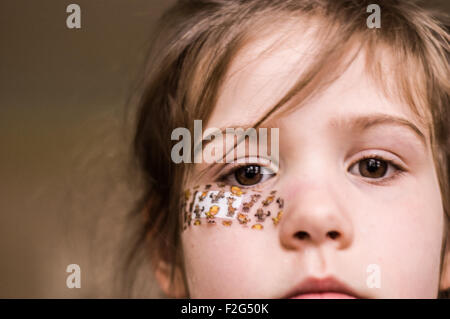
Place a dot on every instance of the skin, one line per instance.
(393, 222)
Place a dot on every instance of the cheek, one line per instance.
(228, 239)
(402, 233)
(228, 262)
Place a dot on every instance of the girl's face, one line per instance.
(356, 186)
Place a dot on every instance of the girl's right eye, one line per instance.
(249, 175)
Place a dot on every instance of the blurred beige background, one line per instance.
(65, 185)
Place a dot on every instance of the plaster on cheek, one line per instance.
(216, 204)
(231, 204)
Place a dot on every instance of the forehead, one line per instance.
(259, 75)
(266, 68)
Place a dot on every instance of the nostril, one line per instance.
(302, 235)
(333, 234)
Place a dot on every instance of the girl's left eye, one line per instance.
(249, 175)
(374, 168)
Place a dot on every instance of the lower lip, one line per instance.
(324, 295)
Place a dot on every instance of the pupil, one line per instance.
(373, 168)
(373, 165)
(251, 171)
(248, 175)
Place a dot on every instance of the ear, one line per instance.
(175, 289)
(445, 278)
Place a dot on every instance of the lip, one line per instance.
(321, 288)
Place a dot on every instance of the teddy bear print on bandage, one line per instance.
(215, 204)
(229, 205)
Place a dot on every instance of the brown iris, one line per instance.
(248, 175)
(372, 168)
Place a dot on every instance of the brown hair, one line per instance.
(195, 44)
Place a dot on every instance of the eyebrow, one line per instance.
(360, 123)
(365, 122)
(205, 141)
(357, 123)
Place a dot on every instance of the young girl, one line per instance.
(356, 203)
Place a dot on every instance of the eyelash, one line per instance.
(399, 171)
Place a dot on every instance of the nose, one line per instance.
(316, 215)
